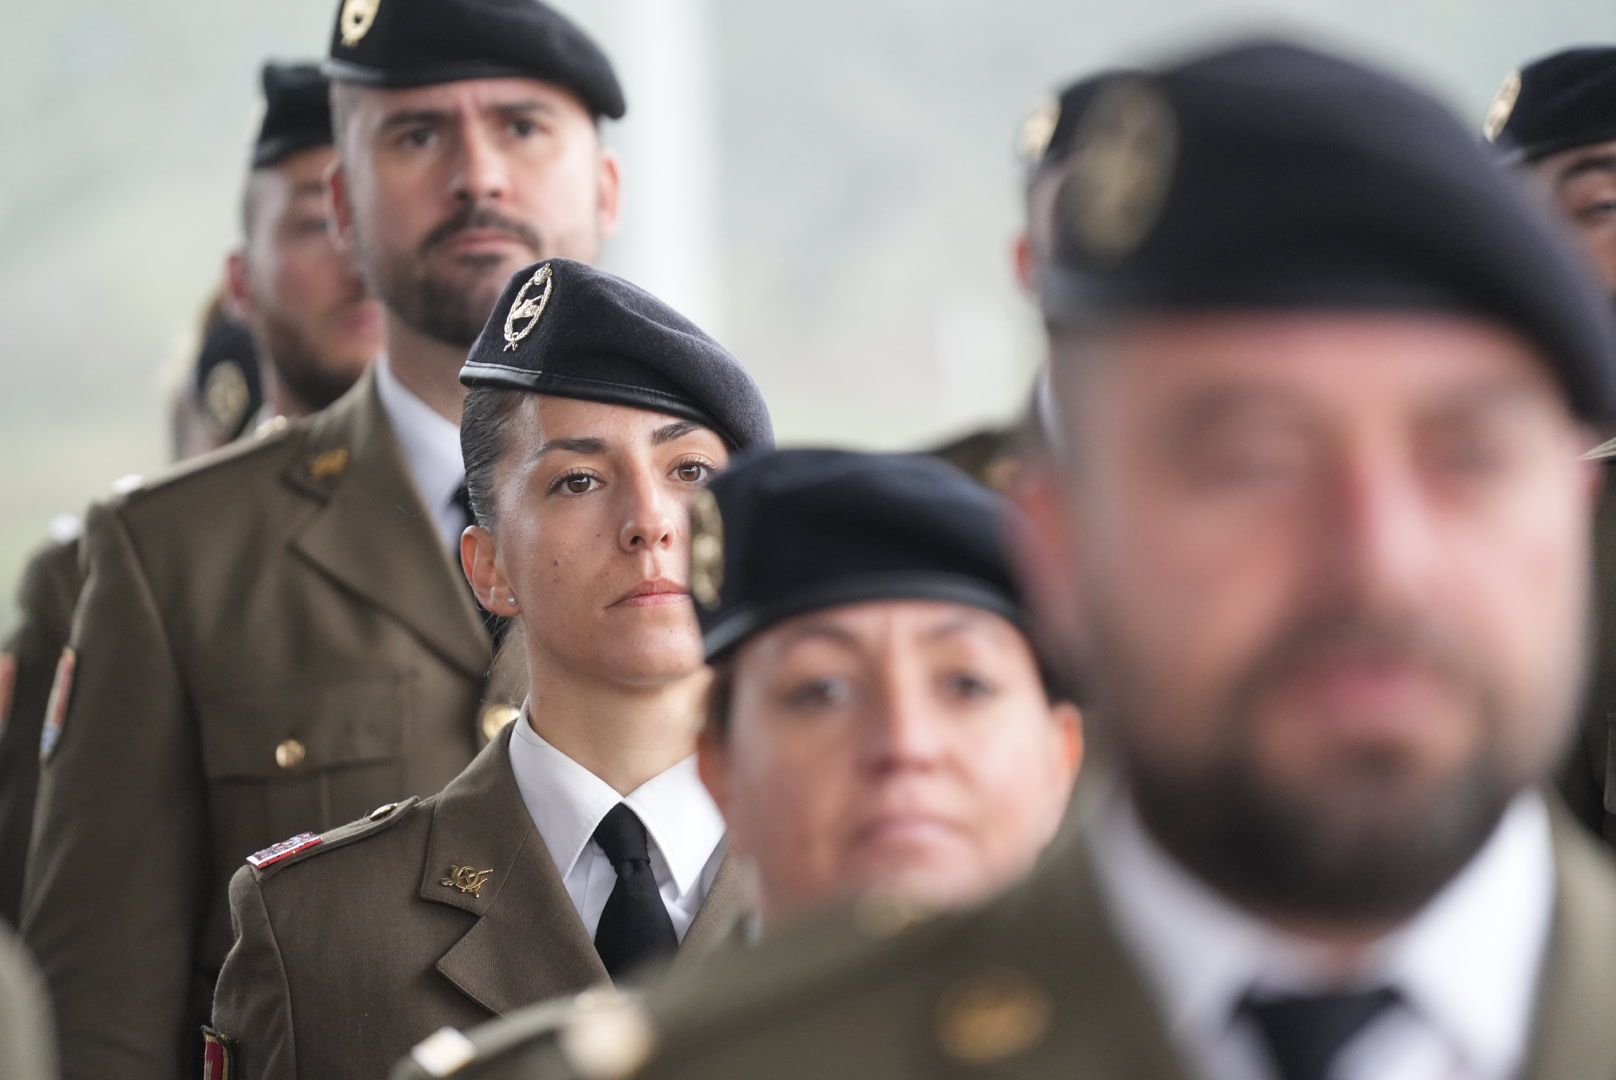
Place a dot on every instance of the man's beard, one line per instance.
(313, 380)
(449, 306)
(1367, 846)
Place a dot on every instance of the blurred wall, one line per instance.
(828, 187)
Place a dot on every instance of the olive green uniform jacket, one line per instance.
(270, 640)
(46, 596)
(1035, 984)
(26, 1050)
(351, 951)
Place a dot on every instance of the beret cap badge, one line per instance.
(356, 20)
(706, 549)
(528, 307)
(1121, 167)
(1037, 129)
(1503, 105)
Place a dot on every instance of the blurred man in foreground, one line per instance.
(1321, 516)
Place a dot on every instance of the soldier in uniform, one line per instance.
(306, 299)
(596, 414)
(1555, 120)
(1323, 376)
(279, 639)
(879, 719)
(991, 454)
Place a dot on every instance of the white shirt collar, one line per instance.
(431, 448)
(1468, 964)
(567, 803)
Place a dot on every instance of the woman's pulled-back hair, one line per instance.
(485, 426)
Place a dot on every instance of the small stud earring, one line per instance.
(512, 600)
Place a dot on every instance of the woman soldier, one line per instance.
(581, 841)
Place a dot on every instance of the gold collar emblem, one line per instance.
(529, 308)
(226, 396)
(468, 879)
(706, 549)
(1121, 167)
(1498, 113)
(993, 1017)
(356, 20)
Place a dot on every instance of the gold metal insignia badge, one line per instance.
(993, 1017)
(1121, 167)
(1498, 113)
(357, 18)
(1036, 131)
(468, 879)
(225, 396)
(706, 549)
(330, 464)
(527, 307)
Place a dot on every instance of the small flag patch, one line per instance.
(56, 707)
(276, 852)
(218, 1055)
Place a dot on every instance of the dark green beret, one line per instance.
(1561, 101)
(297, 113)
(569, 329)
(784, 533)
(416, 42)
(1267, 176)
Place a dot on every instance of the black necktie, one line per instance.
(634, 927)
(496, 624)
(1305, 1033)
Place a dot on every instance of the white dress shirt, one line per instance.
(431, 448)
(567, 802)
(1467, 965)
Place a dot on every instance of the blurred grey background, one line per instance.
(828, 187)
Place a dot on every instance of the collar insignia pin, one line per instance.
(468, 879)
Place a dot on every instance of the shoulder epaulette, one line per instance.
(304, 845)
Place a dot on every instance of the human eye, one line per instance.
(967, 685)
(695, 470)
(575, 482)
(416, 137)
(818, 694)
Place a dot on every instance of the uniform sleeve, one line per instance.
(46, 596)
(253, 1002)
(114, 891)
(24, 1028)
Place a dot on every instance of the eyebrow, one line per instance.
(415, 117)
(957, 624)
(578, 445)
(304, 189)
(1593, 163)
(676, 430)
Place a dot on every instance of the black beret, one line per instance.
(1556, 103)
(417, 42)
(225, 382)
(297, 113)
(1269, 176)
(1045, 136)
(566, 328)
(783, 533)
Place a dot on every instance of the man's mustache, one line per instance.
(482, 219)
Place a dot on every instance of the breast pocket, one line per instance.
(301, 757)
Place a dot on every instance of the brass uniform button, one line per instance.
(495, 717)
(290, 754)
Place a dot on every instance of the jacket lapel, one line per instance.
(528, 943)
(1572, 1035)
(373, 536)
(722, 910)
